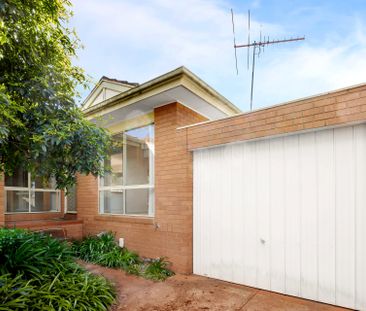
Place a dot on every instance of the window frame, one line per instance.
(66, 208)
(122, 188)
(30, 189)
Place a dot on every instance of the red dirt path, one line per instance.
(190, 293)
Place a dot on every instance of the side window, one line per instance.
(26, 195)
(129, 188)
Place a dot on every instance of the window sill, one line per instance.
(41, 212)
(126, 219)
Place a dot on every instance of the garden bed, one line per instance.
(38, 272)
(103, 250)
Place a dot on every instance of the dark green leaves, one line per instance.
(41, 128)
(104, 251)
(38, 272)
(32, 253)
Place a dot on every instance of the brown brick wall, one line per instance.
(169, 233)
(87, 202)
(73, 229)
(30, 217)
(173, 181)
(332, 109)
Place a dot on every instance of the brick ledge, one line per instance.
(126, 219)
(42, 223)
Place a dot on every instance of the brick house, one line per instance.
(273, 198)
(148, 198)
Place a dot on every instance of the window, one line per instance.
(26, 195)
(70, 200)
(129, 188)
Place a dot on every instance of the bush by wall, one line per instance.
(103, 250)
(38, 272)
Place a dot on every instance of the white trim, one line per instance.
(16, 188)
(122, 188)
(124, 169)
(128, 215)
(127, 187)
(104, 84)
(31, 192)
(178, 77)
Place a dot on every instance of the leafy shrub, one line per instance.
(32, 253)
(14, 292)
(92, 247)
(103, 250)
(79, 290)
(157, 270)
(38, 272)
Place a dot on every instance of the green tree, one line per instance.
(42, 129)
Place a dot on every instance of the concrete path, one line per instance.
(193, 292)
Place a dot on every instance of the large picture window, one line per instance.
(26, 195)
(129, 188)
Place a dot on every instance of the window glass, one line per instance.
(71, 200)
(41, 183)
(137, 201)
(132, 174)
(43, 201)
(139, 147)
(17, 201)
(114, 164)
(38, 196)
(18, 179)
(111, 202)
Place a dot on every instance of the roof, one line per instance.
(119, 81)
(171, 85)
(293, 102)
(106, 88)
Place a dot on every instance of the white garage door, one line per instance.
(285, 214)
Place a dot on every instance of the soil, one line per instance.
(192, 292)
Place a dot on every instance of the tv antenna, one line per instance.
(257, 49)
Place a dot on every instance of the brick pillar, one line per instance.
(173, 183)
(87, 201)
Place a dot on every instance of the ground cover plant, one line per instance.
(38, 272)
(103, 250)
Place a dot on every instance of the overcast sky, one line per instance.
(139, 40)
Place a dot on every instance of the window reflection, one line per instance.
(127, 189)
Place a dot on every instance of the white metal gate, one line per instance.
(285, 214)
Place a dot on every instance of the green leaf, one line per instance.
(40, 121)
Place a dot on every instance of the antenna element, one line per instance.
(236, 58)
(258, 47)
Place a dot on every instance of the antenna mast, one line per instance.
(258, 47)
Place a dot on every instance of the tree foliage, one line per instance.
(42, 129)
